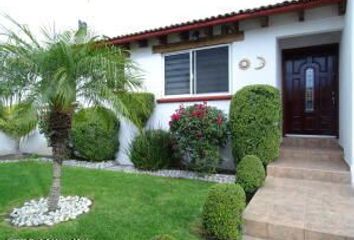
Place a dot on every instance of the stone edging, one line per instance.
(113, 166)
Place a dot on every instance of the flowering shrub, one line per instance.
(198, 132)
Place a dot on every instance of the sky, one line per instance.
(116, 17)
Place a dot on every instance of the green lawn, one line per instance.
(126, 206)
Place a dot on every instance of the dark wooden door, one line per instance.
(310, 89)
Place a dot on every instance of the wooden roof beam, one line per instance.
(184, 36)
(209, 31)
(143, 43)
(264, 21)
(163, 40)
(301, 15)
(342, 8)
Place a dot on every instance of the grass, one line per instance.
(126, 206)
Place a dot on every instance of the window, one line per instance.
(197, 72)
(309, 90)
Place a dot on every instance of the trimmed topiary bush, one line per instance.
(250, 173)
(255, 119)
(141, 106)
(222, 212)
(199, 131)
(163, 237)
(94, 134)
(152, 150)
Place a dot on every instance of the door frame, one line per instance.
(330, 48)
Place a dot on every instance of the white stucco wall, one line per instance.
(346, 87)
(34, 143)
(258, 41)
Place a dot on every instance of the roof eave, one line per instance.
(224, 20)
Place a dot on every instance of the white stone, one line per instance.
(35, 212)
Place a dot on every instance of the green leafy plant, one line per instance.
(17, 121)
(255, 119)
(198, 132)
(141, 104)
(152, 150)
(94, 134)
(62, 68)
(222, 212)
(250, 173)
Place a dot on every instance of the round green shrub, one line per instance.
(94, 134)
(255, 119)
(250, 173)
(222, 212)
(152, 150)
(163, 237)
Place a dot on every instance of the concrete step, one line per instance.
(288, 209)
(291, 152)
(311, 169)
(324, 143)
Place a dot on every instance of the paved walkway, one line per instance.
(303, 200)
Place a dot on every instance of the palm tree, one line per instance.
(64, 69)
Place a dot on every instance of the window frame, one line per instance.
(192, 63)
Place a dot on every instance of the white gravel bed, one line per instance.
(74, 163)
(113, 166)
(218, 178)
(35, 212)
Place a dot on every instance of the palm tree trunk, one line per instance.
(59, 126)
(55, 190)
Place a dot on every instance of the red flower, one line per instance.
(198, 113)
(175, 117)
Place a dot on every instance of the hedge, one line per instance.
(250, 173)
(94, 134)
(255, 119)
(222, 212)
(152, 150)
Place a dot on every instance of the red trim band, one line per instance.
(194, 99)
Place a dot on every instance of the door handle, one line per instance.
(333, 98)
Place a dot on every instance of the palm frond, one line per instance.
(68, 66)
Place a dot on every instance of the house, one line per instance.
(302, 47)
